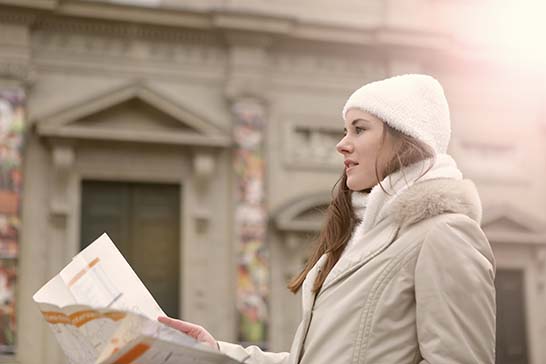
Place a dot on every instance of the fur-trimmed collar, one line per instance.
(434, 197)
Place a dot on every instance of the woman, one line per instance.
(402, 272)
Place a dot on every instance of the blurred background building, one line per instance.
(200, 135)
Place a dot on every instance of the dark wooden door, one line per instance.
(511, 324)
(143, 220)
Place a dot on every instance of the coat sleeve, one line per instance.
(455, 295)
(252, 354)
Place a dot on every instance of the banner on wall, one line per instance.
(250, 224)
(11, 140)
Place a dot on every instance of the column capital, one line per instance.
(63, 158)
(248, 66)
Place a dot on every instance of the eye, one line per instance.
(359, 130)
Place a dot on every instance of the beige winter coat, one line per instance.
(417, 288)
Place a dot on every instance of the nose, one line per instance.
(344, 146)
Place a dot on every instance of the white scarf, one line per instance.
(371, 208)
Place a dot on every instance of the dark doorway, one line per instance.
(143, 220)
(511, 323)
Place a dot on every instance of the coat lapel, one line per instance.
(307, 295)
(374, 243)
(365, 249)
(307, 300)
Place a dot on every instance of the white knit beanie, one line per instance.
(412, 104)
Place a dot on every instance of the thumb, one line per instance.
(176, 324)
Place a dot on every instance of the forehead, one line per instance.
(364, 117)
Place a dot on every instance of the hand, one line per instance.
(195, 331)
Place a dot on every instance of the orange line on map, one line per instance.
(56, 317)
(115, 315)
(83, 271)
(135, 353)
(80, 318)
(77, 277)
(93, 262)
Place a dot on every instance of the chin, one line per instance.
(357, 186)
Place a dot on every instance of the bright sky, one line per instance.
(515, 29)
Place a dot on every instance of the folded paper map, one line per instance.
(101, 313)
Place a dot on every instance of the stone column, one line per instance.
(14, 79)
(246, 89)
(250, 218)
(12, 111)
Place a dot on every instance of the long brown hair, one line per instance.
(340, 217)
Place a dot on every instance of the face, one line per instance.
(361, 147)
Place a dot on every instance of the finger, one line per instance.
(180, 325)
(177, 324)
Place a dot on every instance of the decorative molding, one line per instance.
(291, 217)
(63, 157)
(512, 213)
(296, 247)
(97, 43)
(37, 4)
(192, 129)
(311, 144)
(491, 162)
(507, 224)
(242, 87)
(516, 239)
(399, 37)
(202, 217)
(135, 14)
(144, 22)
(322, 62)
(19, 71)
(127, 48)
(248, 73)
(11, 15)
(252, 23)
(105, 27)
(203, 166)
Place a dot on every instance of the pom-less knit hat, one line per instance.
(412, 104)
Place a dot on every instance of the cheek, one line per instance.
(362, 177)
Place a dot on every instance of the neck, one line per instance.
(381, 195)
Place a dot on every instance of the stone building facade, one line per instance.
(206, 130)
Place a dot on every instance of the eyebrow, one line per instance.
(366, 121)
(361, 119)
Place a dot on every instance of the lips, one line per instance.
(349, 163)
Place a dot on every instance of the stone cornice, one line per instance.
(19, 72)
(122, 29)
(135, 14)
(17, 16)
(251, 22)
(211, 26)
(33, 4)
(115, 18)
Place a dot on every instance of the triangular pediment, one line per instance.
(507, 224)
(303, 214)
(313, 214)
(511, 219)
(133, 113)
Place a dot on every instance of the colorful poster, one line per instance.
(251, 223)
(11, 140)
